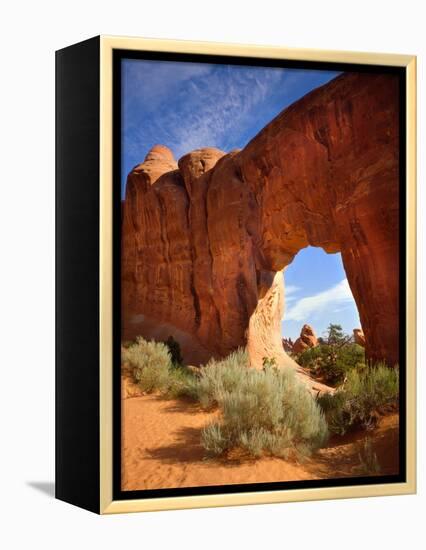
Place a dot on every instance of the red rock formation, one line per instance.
(288, 344)
(203, 242)
(359, 337)
(306, 340)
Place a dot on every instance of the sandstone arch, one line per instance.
(204, 239)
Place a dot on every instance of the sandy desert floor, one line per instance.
(161, 449)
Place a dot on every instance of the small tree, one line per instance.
(174, 349)
(335, 335)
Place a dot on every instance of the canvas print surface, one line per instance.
(260, 281)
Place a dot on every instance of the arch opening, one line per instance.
(310, 290)
(317, 294)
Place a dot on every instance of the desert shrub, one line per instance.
(153, 369)
(364, 394)
(174, 349)
(222, 376)
(181, 384)
(268, 411)
(332, 362)
(213, 440)
(334, 356)
(141, 353)
(151, 362)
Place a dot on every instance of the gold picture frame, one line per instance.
(107, 504)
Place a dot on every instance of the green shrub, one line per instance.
(219, 377)
(142, 353)
(151, 362)
(213, 440)
(364, 394)
(268, 411)
(181, 384)
(331, 362)
(153, 369)
(333, 357)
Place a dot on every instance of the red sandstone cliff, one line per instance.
(204, 241)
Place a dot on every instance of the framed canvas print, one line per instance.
(235, 290)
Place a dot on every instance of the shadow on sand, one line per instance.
(187, 449)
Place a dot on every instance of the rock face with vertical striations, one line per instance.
(205, 240)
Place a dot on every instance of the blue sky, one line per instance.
(190, 105)
(317, 293)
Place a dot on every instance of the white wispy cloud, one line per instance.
(308, 307)
(290, 293)
(291, 289)
(191, 105)
(152, 82)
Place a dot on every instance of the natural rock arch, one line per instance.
(204, 241)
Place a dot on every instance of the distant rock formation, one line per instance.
(359, 337)
(288, 344)
(306, 340)
(205, 240)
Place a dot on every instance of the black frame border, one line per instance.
(77, 127)
(401, 72)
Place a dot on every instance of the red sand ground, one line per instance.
(161, 449)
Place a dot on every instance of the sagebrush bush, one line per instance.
(218, 377)
(364, 394)
(154, 370)
(151, 362)
(268, 411)
(143, 352)
(181, 384)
